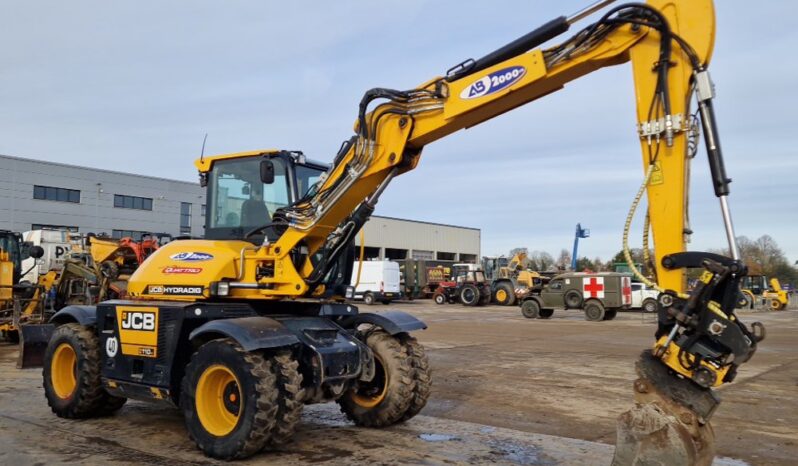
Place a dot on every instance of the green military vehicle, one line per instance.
(599, 295)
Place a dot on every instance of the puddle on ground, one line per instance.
(438, 437)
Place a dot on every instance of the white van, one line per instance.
(379, 281)
(56, 245)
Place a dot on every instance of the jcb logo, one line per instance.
(138, 321)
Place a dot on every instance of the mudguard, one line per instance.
(84, 315)
(252, 333)
(392, 322)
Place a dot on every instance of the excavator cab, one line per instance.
(245, 191)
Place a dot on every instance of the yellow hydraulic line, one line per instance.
(362, 252)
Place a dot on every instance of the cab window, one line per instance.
(240, 199)
(555, 285)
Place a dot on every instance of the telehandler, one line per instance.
(244, 327)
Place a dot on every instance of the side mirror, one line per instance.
(266, 171)
(36, 252)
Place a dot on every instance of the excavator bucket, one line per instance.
(32, 344)
(669, 424)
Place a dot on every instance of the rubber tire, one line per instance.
(400, 389)
(258, 385)
(290, 400)
(12, 336)
(475, 293)
(775, 305)
(422, 375)
(510, 293)
(545, 313)
(573, 300)
(89, 398)
(610, 314)
(650, 305)
(530, 309)
(594, 311)
(439, 298)
(484, 300)
(368, 299)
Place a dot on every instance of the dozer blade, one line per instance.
(669, 424)
(32, 344)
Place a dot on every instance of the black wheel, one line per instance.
(439, 298)
(609, 315)
(573, 299)
(71, 375)
(484, 299)
(386, 301)
(290, 400)
(368, 298)
(546, 313)
(504, 294)
(385, 399)
(594, 311)
(229, 400)
(530, 309)
(744, 301)
(12, 336)
(422, 376)
(650, 305)
(469, 295)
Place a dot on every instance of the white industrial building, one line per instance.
(36, 194)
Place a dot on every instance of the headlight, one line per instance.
(220, 288)
(350, 292)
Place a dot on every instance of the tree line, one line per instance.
(763, 256)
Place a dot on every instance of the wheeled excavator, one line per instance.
(244, 327)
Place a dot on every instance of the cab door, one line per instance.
(552, 294)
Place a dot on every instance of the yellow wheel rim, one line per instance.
(63, 370)
(370, 394)
(775, 304)
(501, 296)
(218, 400)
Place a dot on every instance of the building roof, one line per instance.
(59, 164)
(426, 223)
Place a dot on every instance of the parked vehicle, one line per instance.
(600, 295)
(379, 281)
(509, 280)
(644, 298)
(468, 287)
(56, 245)
(420, 278)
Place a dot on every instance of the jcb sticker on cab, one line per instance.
(176, 290)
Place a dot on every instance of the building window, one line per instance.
(136, 235)
(42, 226)
(185, 218)
(132, 202)
(49, 193)
(202, 210)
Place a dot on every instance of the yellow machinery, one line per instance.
(21, 303)
(510, 282)
(243, 328)
(755, 290)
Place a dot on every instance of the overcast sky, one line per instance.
(134, 86)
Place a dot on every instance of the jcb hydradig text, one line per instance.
(243, 328)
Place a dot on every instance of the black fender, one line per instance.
(84, 315)
(392, 322)
(252, 333)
